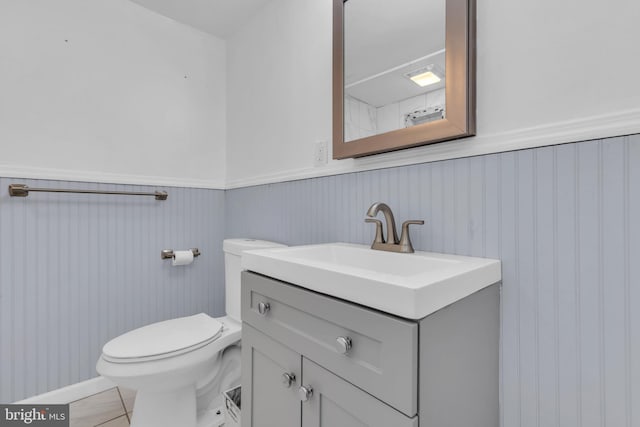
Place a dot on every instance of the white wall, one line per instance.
(279, 88)
(105, 90)
(360, 119)
(548, 72)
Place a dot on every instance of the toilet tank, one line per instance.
(233, 249)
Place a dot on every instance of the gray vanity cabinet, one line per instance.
(274, 378)
(312, 360)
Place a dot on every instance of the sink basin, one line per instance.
(406, 285)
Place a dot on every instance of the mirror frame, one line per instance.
(460, 89)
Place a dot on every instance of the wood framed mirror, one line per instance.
(389, 127)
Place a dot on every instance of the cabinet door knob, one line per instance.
(305, 393)
(288, 379)
(264, 307)
(343, 345)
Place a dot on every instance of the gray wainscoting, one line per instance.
(77, 270)
(564, 220)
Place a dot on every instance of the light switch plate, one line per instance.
(320, 154)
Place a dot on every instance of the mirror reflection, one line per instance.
(394, 65)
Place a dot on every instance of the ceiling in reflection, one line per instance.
(384, 40)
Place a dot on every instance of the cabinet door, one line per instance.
(268, 400)
(335, 402)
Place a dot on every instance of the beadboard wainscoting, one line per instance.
(77, 270)
(564, 220)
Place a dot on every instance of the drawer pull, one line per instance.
(305, 393)
(288, 379)
(264, 307)
(343, 345)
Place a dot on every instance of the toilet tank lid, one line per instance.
(163, 337)
(237, 246)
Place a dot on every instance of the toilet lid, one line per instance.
(164, 337)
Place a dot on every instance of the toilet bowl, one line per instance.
(179, 367)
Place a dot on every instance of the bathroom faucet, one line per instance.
(388, 216)
(391, 244)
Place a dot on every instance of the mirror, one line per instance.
(403, 74)
(393, 65)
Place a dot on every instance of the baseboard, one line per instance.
(71, 393)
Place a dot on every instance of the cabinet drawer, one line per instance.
(383, 358)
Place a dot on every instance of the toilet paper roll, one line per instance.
(182, 258)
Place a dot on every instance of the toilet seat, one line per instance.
(162, 340)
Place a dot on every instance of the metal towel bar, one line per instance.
(22, 190)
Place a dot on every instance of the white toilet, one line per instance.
(180, 367)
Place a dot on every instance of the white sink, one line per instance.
(406, 285)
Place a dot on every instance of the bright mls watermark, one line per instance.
(34, 415)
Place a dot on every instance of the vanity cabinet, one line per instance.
(313, 360)
(285, 389)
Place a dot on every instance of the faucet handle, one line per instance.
(405, 240)
(379, 233)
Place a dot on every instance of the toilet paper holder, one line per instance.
(168, 253)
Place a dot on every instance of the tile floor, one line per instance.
(110, 408)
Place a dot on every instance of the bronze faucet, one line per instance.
(393, 244)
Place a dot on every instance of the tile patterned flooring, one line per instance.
(110, 408)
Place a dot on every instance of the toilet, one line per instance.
(180, 367)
